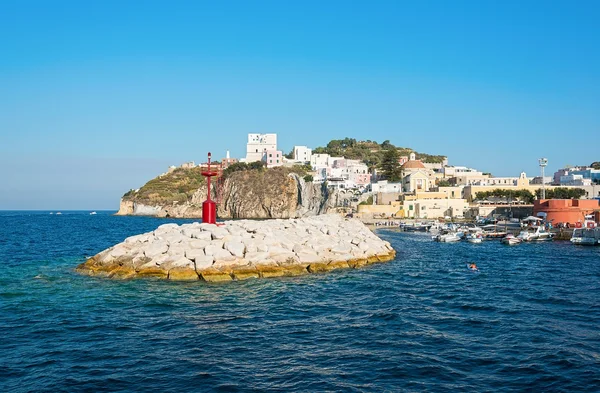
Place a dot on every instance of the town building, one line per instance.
(432, 205)
(227, 161)
(273, 158)
(302, 154)
(574, 180)
(416, 177)
(258, 145)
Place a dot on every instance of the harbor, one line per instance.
(588, 233)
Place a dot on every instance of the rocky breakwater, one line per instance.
(239, 250)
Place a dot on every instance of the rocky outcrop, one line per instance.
(239, 250)
(273, 193)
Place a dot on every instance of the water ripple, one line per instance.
(528, 321)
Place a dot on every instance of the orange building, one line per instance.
(567, 210)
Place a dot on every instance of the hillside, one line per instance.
(369, 151)
(176, 186)
(247, 191)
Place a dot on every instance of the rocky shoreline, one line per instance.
(239, 250)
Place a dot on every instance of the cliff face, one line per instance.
(274, 193)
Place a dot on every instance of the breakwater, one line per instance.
(239, 250)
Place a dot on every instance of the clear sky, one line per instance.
(97, 97)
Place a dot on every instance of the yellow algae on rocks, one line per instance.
(214, 275)
(319, 267)
(357, 263)
(269, 271)
(122, 272)
(183, 274)
(294, 270)
(245, 273)
(152, 272)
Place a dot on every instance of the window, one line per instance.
(257, 150)
(270, 155)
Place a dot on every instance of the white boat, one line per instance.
(511, 240)
(58, 213)
(449, 237)
(475, 238)
(588, 234)
(92, 213)
(537, 234)
(586, 237)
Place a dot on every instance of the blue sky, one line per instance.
(98, 97)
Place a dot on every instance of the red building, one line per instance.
(567, 210)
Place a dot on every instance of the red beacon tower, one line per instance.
(209, 207)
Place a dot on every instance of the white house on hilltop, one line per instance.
(258, 145)
(302, 154)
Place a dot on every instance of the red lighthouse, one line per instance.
(209, 207)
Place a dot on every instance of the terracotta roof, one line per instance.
(415, 164)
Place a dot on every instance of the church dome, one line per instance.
(416, 164)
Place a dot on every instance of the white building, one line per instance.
(302, 154)
(575, 180)
(258, 145)
(385, 186)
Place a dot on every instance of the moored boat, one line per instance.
(511, 240)
(475, 238)
(535, 233)
(588, 234)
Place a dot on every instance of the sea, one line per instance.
(529, 320)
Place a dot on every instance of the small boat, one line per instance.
(475, 238)
(92, 213)
(588, 234)
(472, 267)
(449, 237)
(415, 227)
(537, 234)
(511, 240)
(492, 231)
(58, 213)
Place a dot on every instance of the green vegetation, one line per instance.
(595, 165)
(308, 178)
(443, 183)
(562, 193)
(390, 167)
(290, 155)
(178, 185)
(242, 166)
(528, 197)
(369, 151)
(512, 195)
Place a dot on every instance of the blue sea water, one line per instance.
(529, 321)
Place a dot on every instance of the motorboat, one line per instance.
(415, 227)
(475, 237)
(586, 233)
(586, 237)
(93, 213)
(535, 233)
(448, 237)
(492, 231)
(511, 240)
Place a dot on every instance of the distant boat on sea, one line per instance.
(58, 213)
(92, 213)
